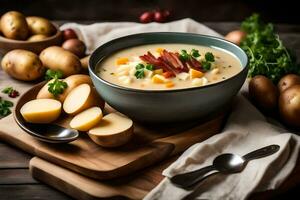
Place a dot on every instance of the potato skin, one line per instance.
(72, 81)
(57, 58)
(22, 65)
(75, 46)
(289, 106)
(264, 93)
(36, 38)
(40, 25)
(14, 26)
(85, 62)
(288, 81)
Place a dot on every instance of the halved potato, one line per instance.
(113, 130)
(72, 81)
(80, 98)
(41, 110)
(87, 119)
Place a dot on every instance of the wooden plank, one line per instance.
(149, 145)
(30, 191)
(16, 176)
(13, 158)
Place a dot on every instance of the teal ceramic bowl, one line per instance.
(165, 106)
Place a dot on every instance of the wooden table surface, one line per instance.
(16, 182)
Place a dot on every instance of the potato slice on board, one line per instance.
(113, 130)
(87, 119)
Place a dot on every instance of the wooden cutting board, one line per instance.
(148, 146)
(80, 187)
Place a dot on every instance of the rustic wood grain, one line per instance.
(149, 145)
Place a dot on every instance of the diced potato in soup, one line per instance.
(174, 66)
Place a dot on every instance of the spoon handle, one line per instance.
(263, 152)
(188, 179)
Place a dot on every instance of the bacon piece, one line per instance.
(157, 62)
(168, 74)
(195, 64)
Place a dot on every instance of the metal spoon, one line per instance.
(224, 163)
(51, 133)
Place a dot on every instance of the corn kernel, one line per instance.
(159, 50)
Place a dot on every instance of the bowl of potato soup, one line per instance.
(168, 77)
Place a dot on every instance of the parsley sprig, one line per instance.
(266, 52)
(185, 56)
(5, 107)
(206, 63)
(56, 86)
(140, 70)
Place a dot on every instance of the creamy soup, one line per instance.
(168, 66)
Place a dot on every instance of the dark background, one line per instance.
(128, 10)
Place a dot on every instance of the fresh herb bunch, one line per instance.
(185, 56)
(5, 107)
(267, 55)
(56, 86)
(140, 70)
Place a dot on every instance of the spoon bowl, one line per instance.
(51, 133)
(225, 163)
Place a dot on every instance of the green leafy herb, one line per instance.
(56, 86)
(139, 73)
(5, 107)
(185, 56)
(209, 57)
(195, 53)
(267, 55)
(206, 65)
(7, 90)
(150, 67)
(11, 92)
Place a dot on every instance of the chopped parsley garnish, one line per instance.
(195, 53)
(57, 86)
(206, 63)
(11, 92)
(140, 70)
(209, 57)
(185, 56)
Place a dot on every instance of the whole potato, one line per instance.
(22, 65)
(72, 81)
(263, 92)
(69, 34)
(57, 58)
(289, 106)
(75, 46)
(14, 26)
(235, 36)
(85, 62)
(288, 81)
(40, 26)
(36, 38)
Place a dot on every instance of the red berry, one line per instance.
(13, 94)
(146, 17)
(159, 17)
(69, 34)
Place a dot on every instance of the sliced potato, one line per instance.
(72, 81)
(22, 65)
(57, 58)
(113, 130)
(41, 110)
(80, 98)
(40, 25)
(87, 119)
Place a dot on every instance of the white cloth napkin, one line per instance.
(246, 130)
